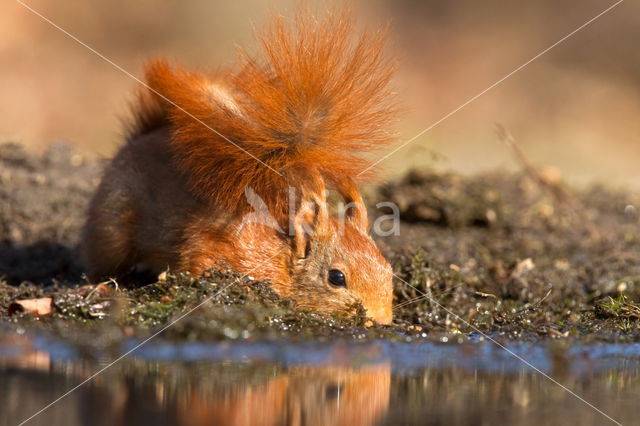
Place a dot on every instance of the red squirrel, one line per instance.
(285, 127)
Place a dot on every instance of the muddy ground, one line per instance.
(519, 255)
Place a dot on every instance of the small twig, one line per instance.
(559, 193)
(535, 305)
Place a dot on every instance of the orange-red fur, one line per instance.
(318, 98)
(174, 196)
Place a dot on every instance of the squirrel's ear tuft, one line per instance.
(355, 209)
(311, 219)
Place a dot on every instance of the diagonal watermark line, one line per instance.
(490, 87)
(510, 352)
(88, 379)
(124, 71)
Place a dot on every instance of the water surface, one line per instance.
(335, 382)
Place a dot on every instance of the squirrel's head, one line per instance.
(334, 262)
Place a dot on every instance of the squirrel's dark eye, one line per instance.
(337, 278)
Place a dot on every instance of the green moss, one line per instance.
(220, 305)
(619, 307)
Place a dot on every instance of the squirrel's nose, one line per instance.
(380, 315)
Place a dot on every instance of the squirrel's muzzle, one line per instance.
(381, 315)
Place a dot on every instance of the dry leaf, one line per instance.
(36, 307)
(100, 290)
(103, 290)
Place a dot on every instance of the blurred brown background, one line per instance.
(576, 108)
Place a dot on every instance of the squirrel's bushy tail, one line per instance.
(315, 100)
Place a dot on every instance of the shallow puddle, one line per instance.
(338, 382)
